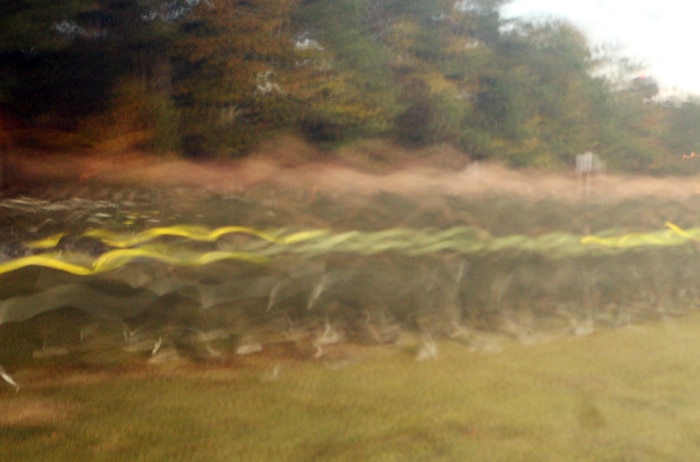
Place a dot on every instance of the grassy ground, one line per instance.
(616, 395)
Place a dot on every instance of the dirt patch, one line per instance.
(22, 411)
(340, 179)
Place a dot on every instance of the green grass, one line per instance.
(617, 395)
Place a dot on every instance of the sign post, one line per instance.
(588, 164)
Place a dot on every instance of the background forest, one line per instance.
(213, 78)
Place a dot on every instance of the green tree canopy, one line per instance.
(214, 77)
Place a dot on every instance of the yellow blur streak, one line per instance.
(46, 260)
(673, 236)
(318, 242)
(196, 233)
(117, 258)
(124, 254)
(46, 243)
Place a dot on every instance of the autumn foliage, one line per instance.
(213, 79)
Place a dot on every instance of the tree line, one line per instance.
(212, 78)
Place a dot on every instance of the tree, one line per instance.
(211, 78)
(348, 89)
(228, 68)
(66, 62)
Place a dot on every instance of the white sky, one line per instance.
(663, 35)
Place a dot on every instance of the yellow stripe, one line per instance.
(196, 233)
(308, 243)
(46, 260)
(46, 243)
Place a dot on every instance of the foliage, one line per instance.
(215, 78)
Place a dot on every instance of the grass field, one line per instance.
(625, 394)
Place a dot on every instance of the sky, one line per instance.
(661, 35)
